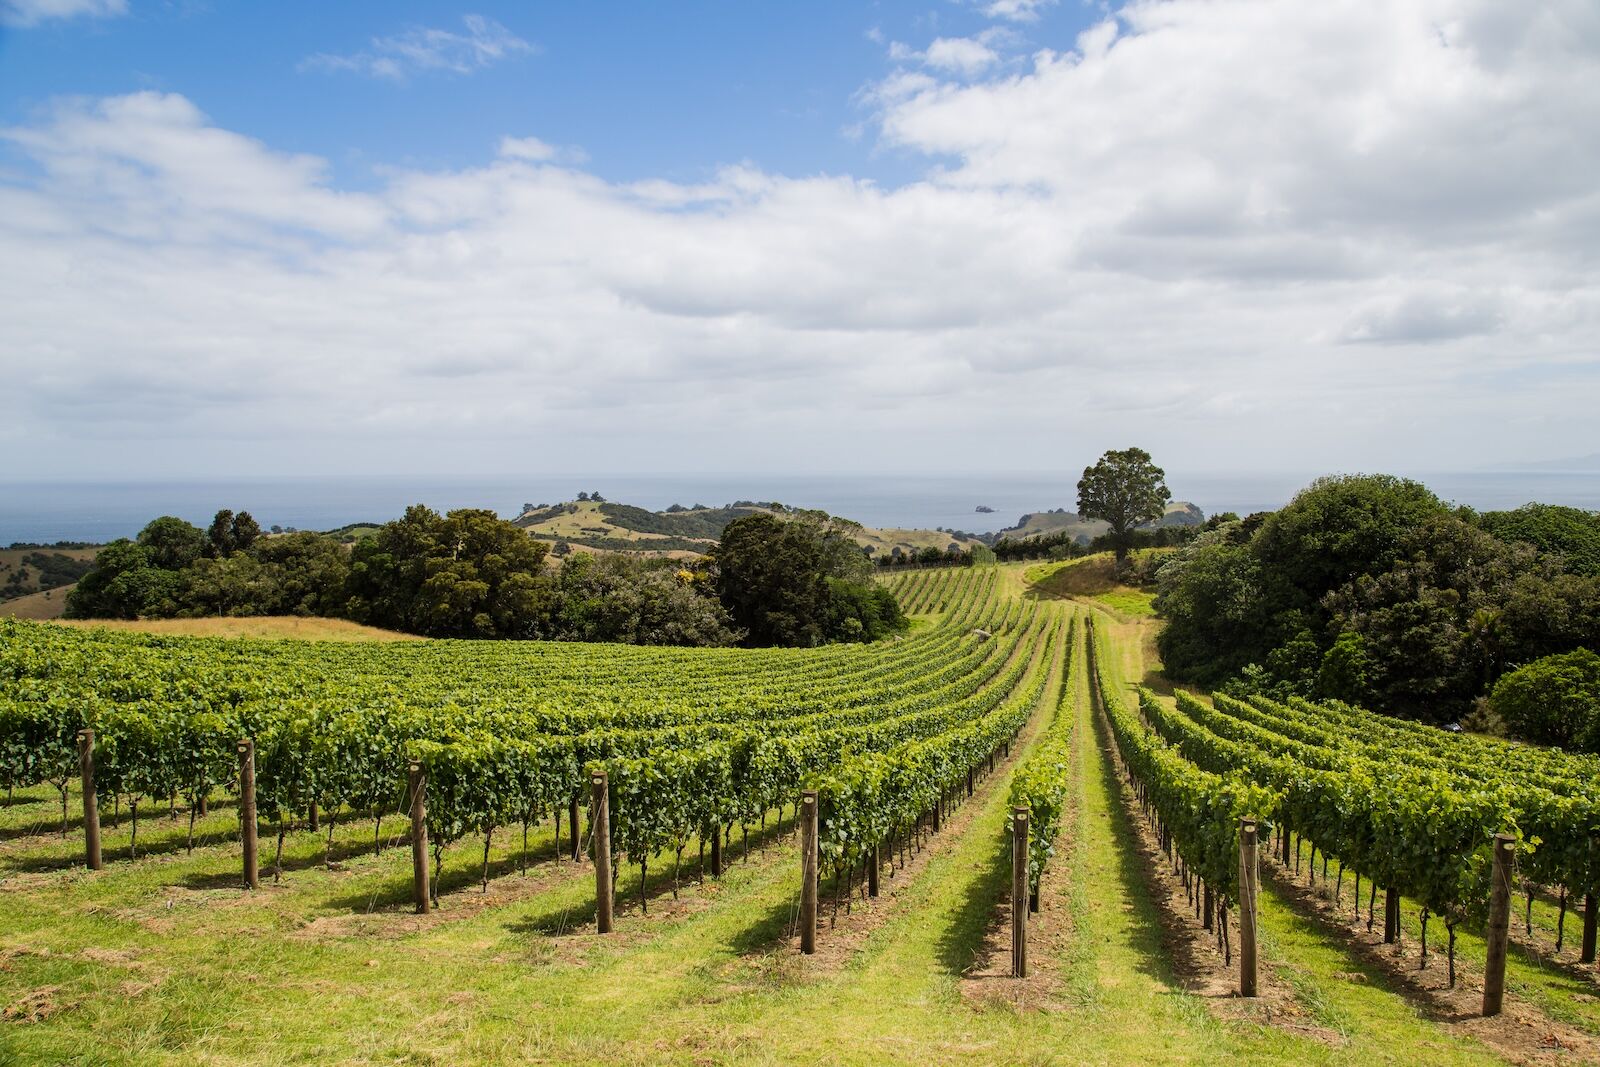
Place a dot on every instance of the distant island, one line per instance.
(984, 509)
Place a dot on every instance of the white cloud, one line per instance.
(966, 56)
(960, 55)
(1251, 234)
(533, 150)
(422, 49)
(1015, 10)
(33, 12)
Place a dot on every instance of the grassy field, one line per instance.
(289, 627)
(48, 604)
(165, 960)
(1090, 579)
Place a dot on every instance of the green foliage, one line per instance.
(1553, 701)
(123, 584)
(1367, 588)
(464, 574)
(1569, 532)
(1200, 808)
(633, 602)
(1125, 489)
(171, 543)
(691, 740)
(799, 581)
(1043, 780)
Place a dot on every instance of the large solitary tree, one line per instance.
(1126, 490)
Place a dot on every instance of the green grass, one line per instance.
(1129, 601)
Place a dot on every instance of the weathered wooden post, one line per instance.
(600, 817)
(874, 861)
(247, 811)
(572, 828)
(91, 806)
(419, 837)
(1498, 931)
(808, 872)
(716, 850)
(1590, 913)
(1019, 892)
(1248, 874)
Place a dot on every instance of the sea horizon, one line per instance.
(98, 511)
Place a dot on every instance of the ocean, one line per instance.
(102, 511)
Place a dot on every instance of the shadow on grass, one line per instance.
(967, 934)
(1298, 905)
(769, 931)
(1148, 935)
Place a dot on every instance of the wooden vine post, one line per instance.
(419, 837)
(91, 807)
(572, 829)
(1019, 892)
(1391, 915)
(247, 811)
(600, 816)
(716, 851)
(874, 861)
(1498, 931)
(1249, 875)
(1591, 912)
(808, 872)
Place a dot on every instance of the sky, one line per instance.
(965, 235)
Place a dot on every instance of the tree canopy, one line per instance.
(1370, 589)
(1125, 489)
(800, 581)
(1553, 701)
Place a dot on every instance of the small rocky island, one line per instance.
(984, 509)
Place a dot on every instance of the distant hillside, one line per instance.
(48, 604)
(615, 527)
(25, 571)
(1179, 513)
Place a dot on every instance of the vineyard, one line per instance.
(223, 851)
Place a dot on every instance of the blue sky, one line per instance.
(977, 235)
(645, 90)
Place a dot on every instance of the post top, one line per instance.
(414, 765)
(599, 776)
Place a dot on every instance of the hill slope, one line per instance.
(617, 527)
(1179, 513)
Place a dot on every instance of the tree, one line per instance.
(123, 585)
(1553, 701)
(1126, 490)
(465, 574)
(220, 534)
(245, 531)
(798, 581)
(172, 544)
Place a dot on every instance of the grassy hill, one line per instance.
(24, 571)
(609, 526)
(46, 604)
(1179, 513)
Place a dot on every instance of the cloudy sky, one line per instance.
(962, 234)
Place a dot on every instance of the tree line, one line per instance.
(470, 574)
(1372, 590)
